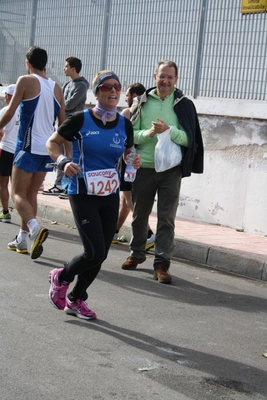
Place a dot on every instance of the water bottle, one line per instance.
(130, 171)
(65, 181)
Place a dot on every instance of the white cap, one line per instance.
(9, 90)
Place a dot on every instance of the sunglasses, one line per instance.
(107, 88)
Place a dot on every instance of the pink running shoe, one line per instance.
(57, 291)
(80, 309)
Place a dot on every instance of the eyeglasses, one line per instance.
(166, 78)
(107, 88)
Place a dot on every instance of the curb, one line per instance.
(219, 258)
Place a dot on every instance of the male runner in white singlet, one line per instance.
(41, 102)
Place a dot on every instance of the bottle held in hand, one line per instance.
(130, 171)
(65, 181)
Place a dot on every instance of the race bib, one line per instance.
(102, 182)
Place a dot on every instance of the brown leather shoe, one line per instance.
(132, 262)
(161, 273)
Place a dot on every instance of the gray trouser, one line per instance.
(60, 174)
(147, 184)
(59, 177)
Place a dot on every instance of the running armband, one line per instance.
(62, 161)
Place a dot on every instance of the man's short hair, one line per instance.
(37, 57)
(167, 63)
(74, 62)
(136, 88)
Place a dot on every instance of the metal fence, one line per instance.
(220, 52)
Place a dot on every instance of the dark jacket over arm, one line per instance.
(184, 108)
(193, 160)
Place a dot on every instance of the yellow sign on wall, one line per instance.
(253, 6)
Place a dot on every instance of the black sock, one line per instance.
(149, 233)
(5, 212)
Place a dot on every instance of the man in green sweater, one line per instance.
(159, 109)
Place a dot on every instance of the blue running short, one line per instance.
(32, 162)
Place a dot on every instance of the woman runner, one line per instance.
(99, 137)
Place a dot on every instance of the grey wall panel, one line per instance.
(234, 52)
(219, 52)
(153, 30)
(75, 29)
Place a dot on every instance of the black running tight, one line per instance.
(96, 219)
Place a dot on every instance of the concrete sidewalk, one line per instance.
(214, 246)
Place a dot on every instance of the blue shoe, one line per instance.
(150, 242)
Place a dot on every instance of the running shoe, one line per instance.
(80, 309)
(19, 247)
(150, 242)
(64, 195)
(115, 238)
(5, 217)
(57, 291)
(53, 191)
(118, 239)
(37, 238)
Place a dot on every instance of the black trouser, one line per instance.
(148, 184)
(96, 219)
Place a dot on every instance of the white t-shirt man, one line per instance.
(9, 140)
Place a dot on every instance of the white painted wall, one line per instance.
(232, 191)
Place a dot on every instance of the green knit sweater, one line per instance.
(156, 108)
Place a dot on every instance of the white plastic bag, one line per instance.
(167, 153)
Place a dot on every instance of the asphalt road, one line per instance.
(200, 338)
